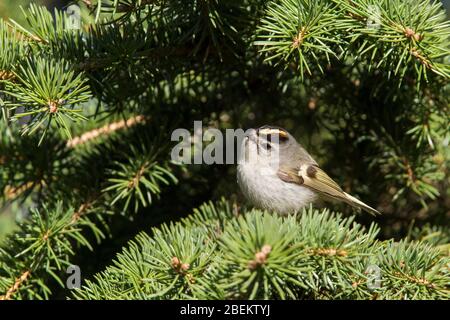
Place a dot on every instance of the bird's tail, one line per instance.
(359, 204)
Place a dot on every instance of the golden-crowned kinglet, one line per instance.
(277, 174)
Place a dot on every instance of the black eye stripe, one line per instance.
(266, 146)
(269, 137)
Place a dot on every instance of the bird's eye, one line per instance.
(278, 138)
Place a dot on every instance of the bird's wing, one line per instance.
(311, 176)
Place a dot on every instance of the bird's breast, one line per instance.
(265, 190)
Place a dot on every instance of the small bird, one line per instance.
(276, 173)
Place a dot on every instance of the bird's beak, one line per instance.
(251, 135)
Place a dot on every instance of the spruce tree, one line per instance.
(90, 95)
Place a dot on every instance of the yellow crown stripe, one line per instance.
(279, 132)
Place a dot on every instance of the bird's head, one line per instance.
(267, 145)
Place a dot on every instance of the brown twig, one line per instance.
(298, 39)
(23, 277)
(329, 252)
(6, 75)
(420, 281)
(76, 216)
(105, 130)
(421, 58)
(409, 171)
(12, 192)
(135, 181)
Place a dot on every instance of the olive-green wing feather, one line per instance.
(313, 177)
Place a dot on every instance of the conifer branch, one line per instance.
(8, 295)
(300, 258)
(360, 83)
(11, 192)
(105, 130)
(47, 236)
